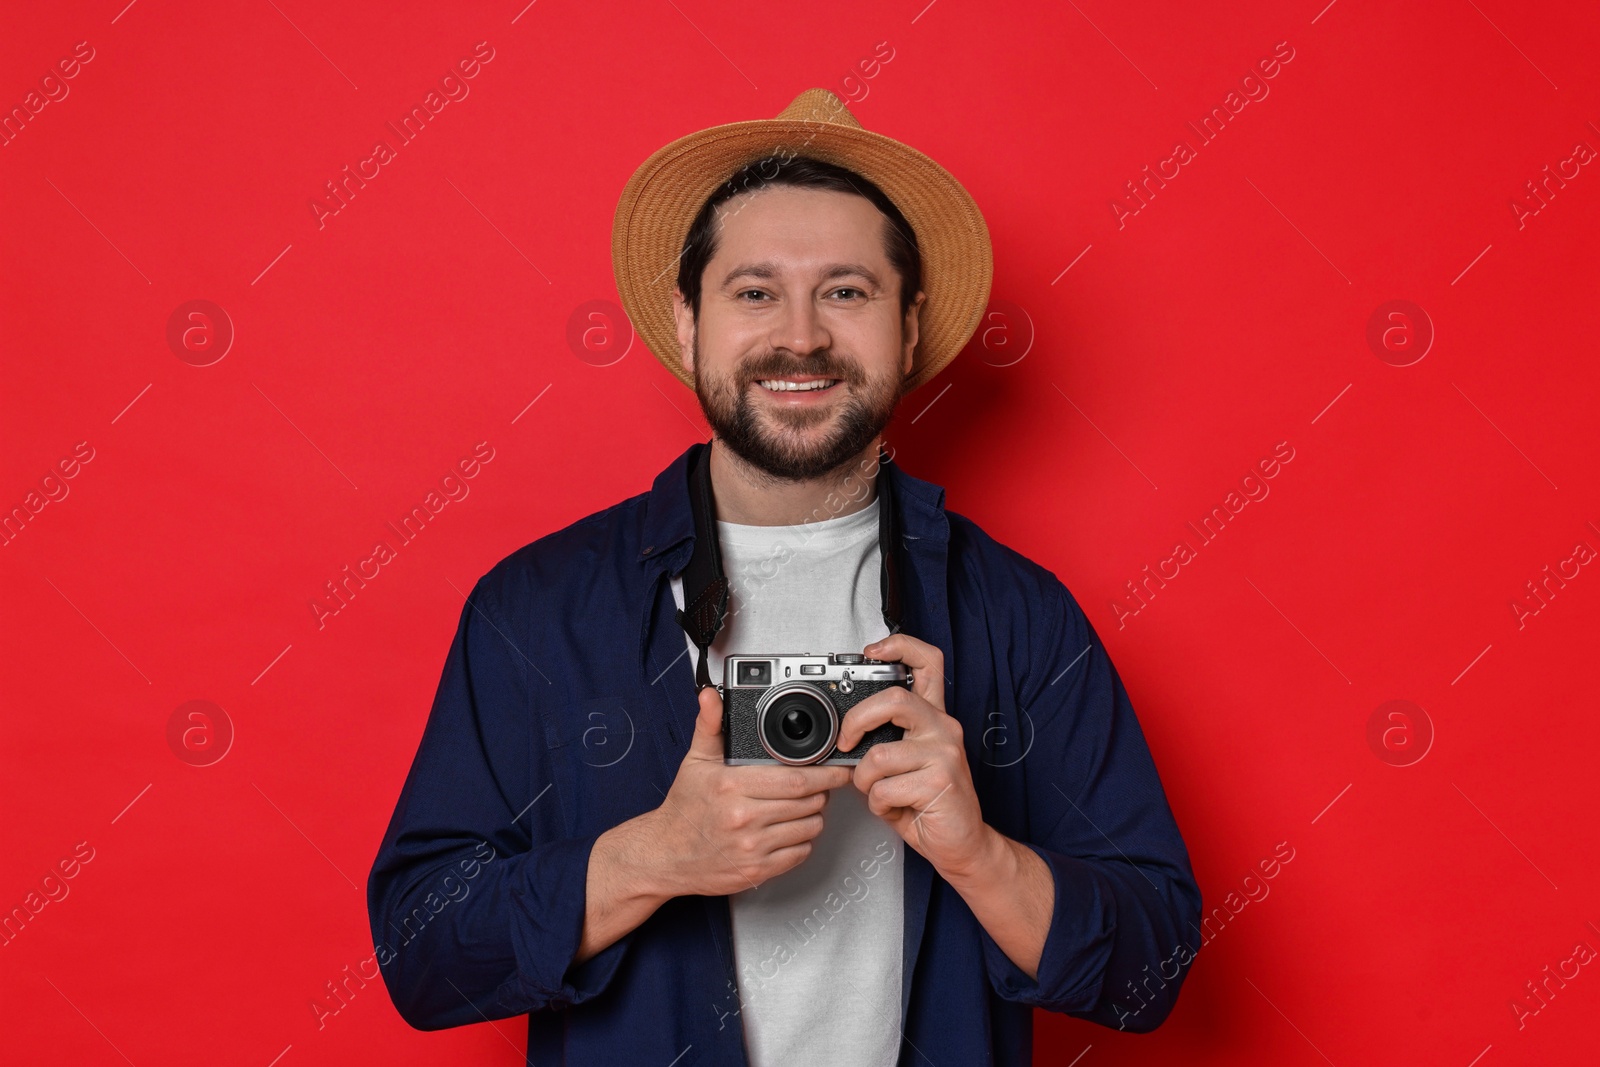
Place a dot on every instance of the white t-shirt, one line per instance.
(817, 949)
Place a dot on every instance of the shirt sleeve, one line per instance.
(476, 900)
(1126, 901)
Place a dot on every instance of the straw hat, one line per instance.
(667, 191)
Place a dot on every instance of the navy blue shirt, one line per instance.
(565, 707)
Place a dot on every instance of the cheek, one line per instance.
(723, 343)
(880, 328)
(890, 341)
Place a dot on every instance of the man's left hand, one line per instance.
(920, 785)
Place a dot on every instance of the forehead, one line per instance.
(802, 226)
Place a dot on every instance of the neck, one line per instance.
(749, 496)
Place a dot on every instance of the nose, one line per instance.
(800, 329)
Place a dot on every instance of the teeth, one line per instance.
(778, 385)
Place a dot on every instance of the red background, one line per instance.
(1228, 315)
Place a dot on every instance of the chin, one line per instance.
(800, 444)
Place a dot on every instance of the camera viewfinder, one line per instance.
(755, 672)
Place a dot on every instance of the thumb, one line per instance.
(707, 741)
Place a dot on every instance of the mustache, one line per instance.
(826, 366)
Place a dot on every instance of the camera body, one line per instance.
(787, 708)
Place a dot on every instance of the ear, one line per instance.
(683, 318)
(911, 335)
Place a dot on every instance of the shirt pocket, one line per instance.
(603, 762)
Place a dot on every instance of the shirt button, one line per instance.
(649, 549)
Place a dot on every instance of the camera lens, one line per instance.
(797, 724)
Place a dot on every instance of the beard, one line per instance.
(778, 441)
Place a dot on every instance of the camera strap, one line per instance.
(705, 586)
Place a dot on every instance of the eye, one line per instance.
(850, 291)
(748, 292)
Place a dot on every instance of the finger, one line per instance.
(895, 704)
(894, 757)
(706, 744)
(792, 832)
(924, 791)
(926, 662)
(773, 812)
(788, 783)
(786, 859)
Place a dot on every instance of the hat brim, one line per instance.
(668, 190)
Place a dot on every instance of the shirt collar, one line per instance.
(669, 526)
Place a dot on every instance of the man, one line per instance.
(570, 842)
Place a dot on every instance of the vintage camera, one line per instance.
(788, 708)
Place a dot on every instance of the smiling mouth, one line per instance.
(786, 385)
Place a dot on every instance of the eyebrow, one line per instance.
(770, 270)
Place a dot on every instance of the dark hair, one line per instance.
(700, 245)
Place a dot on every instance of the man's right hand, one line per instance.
(725, 829)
